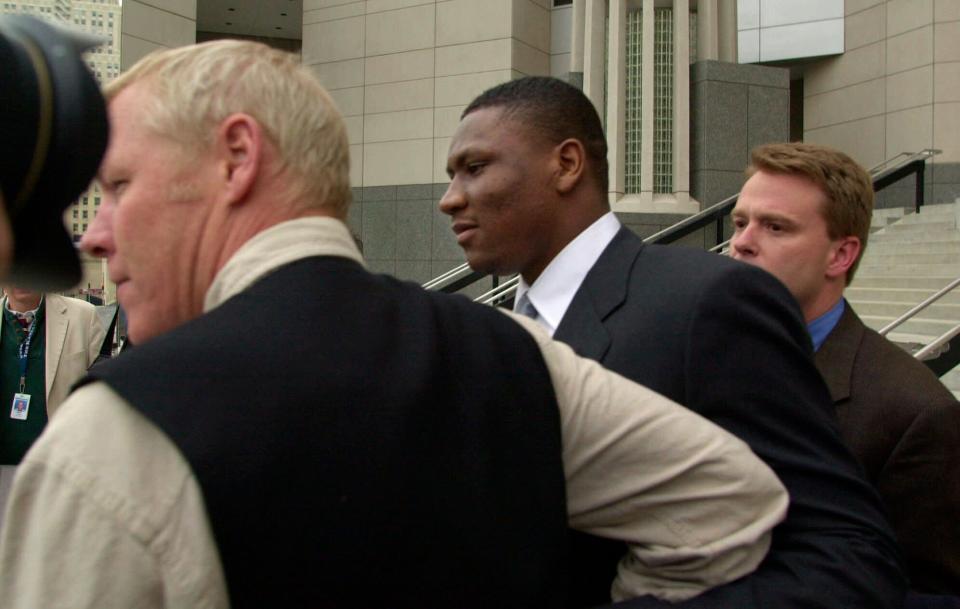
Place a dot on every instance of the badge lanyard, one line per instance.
(24, 353)
(21, 400)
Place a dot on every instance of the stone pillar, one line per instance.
(616, 97)
(681, 101)
(594, 49)
(576, 48)
(735, 107)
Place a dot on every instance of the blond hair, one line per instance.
(194, 88)
(847, 188)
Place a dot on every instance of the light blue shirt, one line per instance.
(821, 327)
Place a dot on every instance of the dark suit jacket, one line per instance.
(904, 427)
(727, 340)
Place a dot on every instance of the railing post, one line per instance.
(918, 196)
(719, 230)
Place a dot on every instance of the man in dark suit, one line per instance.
(528, 194)
(294, 430)
(804, 215)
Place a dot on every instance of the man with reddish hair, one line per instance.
(804, 215)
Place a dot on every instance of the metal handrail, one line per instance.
(937, 343)
(923, 305)
(924, 154)
(463, 269)
(499, 293)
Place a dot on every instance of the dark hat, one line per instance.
(54, 124)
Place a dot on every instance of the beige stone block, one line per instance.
(946, 131)
(561, 30)
(446, 120)
(333, 40)
(404, 125)
(855, 6)
(135, 49)
(474, 57)
(946, 10)
(544, 3)
(459, 90)
(354, 126)
(858, 65)
(865, 27)
(407, 95)
(333, 13)
(560, 65)
(946, 82)
(947, 41)
(906, 15)
(910, 50)
(531, 24)
(339, 74)
(530, 61)
(401, 30)
(378, 6)
(909, 130)
(844, 105)
(909, 89)
(184, 8)
(405, 162)
(461, 21)
(356, 165)
(412, 65)
(863, 139)
(314, 5)
(349, 101)
(158, 26)
(441, 147)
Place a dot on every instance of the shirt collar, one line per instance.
(279, 245)
(821, 327)
(28, 315)
(556, 286)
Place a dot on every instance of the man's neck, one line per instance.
(23, 305)
(828, 297)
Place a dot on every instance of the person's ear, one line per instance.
(844, 254)
(240, 152)
(571, 158)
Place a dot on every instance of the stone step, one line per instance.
(924, 327)
(909, 229)
(912, 270)
(873, 258)
(952, 381)
(938, 310)
(928, 213)
(900, 239)
(901, 281)
(886, 248)
(907, 296)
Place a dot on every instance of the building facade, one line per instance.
(685, 89)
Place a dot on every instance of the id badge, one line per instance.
(21, 406)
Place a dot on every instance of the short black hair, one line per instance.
(555, 110)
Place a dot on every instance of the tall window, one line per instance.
(633, 124)
(663, 101)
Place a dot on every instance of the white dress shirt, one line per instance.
(552, 292)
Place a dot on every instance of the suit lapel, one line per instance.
(602, 292)
(56, 331)
(836, 356)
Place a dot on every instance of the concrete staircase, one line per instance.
(908, 258)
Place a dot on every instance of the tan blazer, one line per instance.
(73, 338)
